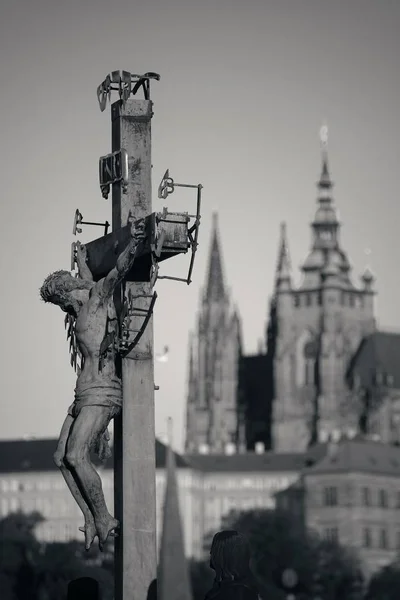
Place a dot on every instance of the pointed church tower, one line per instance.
(315, 329)
(283, 279)
(173, 573)
(213, 392)
(215, 287)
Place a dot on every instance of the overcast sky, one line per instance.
(244, 89)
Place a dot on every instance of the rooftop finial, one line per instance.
(283, 265)
(323, 135)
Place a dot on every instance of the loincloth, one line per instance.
(92, 394)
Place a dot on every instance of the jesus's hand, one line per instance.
(138, 230)
(81, 251)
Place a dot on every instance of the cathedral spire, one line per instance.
(324, 182)
(283, 264)
(215, 288)
(191, 359)
(173, 573)
(325, 225)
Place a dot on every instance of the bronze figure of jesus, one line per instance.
(98, 392)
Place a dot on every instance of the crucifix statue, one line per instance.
(109, 309)
(98, 392)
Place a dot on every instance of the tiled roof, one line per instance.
(252, 462)
(37, 455)
(379, 351)
(359, 456)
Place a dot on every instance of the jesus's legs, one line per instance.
(90, 422)
(59, 456)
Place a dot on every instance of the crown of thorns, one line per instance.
(58, 284)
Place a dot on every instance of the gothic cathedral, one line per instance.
(318, 328)
(212, 420)
(314, 330)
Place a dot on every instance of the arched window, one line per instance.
(306, 352)
(310, 353)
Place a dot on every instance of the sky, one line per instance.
(244, 89)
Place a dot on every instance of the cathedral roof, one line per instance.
(380, 352)
(36, 455)
(359, 456)
(215, 288)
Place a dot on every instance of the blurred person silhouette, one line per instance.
(84, 588)
(230, 559)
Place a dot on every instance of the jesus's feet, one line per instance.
(90, 532)
(106, 528)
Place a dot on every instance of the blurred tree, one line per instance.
(279, 542)
(385, 584)
(19, 553)
(33, 571)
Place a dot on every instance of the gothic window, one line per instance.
(308, 299)
(351, 301)
(366, 496)
(306, 352)
(367, 538)
(383, 500)
(296, 300)
(309, 362)
(383, 539)
(331, 534)
(325, 235)
(330, 496)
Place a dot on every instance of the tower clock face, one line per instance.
(325, 235)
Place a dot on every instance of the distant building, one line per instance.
(374, 378)
(242, 482)
(296, 392)
(316, 329)
(30, 481)
(209, 487)
(347, 490)
(352, 495)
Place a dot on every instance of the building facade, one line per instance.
(208, 488)
(374, 378)
(212, 418)
(297, 391)
(315, 329)
(353, 496)
(347, 491)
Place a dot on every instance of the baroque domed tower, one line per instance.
(318, 326)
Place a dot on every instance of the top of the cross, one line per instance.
(126, 84)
